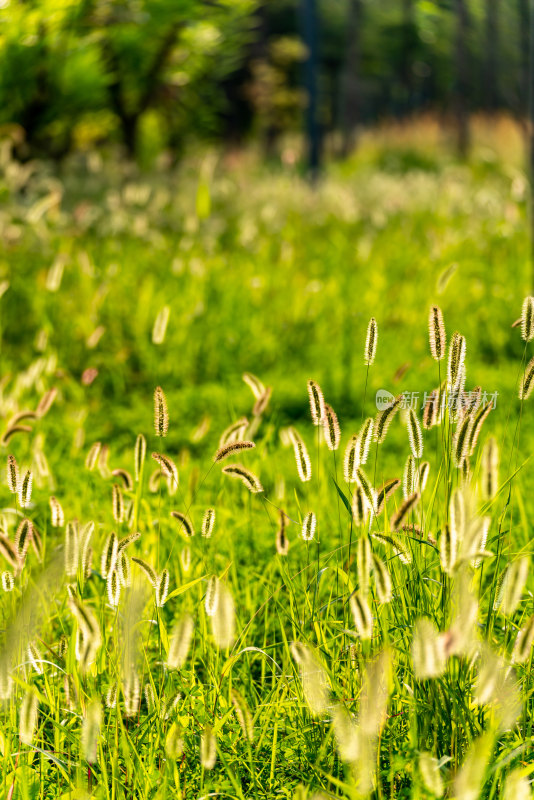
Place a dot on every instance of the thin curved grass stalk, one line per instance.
(223, 619)
(384, 588)
(384, 493)
(331, 430)
(12, 431)
(162, 588)
(148, 570)
(160, 325)
(428, 653)
(448, 549)
(139, 456)
(126, 478)
(231, 448)
(252, 483)
(367, 489)
(109, 555)
(185, 523)
(476, 427)
(512, 585)
(527, 381)
(316, 402)
(56, 511)
(384, 419)
(404, 509)
(8, 583)
(23, 537)
(91, 731)
(282, 542)
(25, 489)
(72, 549)
(524, 641)
(313, 677)
(415, 434)
(371, 340)
(527, 319)
(12, 474)
(255, 385)
(242, 712)
(309, 526)
(409, 477)
(361, 613)
(350, 460)
(161, 413)
(456, 359)
(168, 467)
(91, 458)
(436, 333)
(208, 523)
(113, 586)
(45, 403)
(234, 432)
(490, 469)
(302, 457)
(29, 711)
(365, 437)
(359, 505)
(363, 560)
(461, 442)
(180, 642)
(117, 503)
(208, 748)
(262, 402)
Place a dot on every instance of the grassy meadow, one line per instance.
(174, 627)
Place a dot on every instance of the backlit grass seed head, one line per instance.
(8, 583)
(223, 619)
(92, 456)
(282, 542)
(350, 461)
(460, 442)
(436, 332)
(476, 427)
(262, 402)
(331, 430)
(148, 570)
(251, 481)
(527, 381)
(35, 658)
(25, 489)
(371, 340)
(368, 492)
(409, 482)
(524, 641)
(113, 586)
(517, 785)
(150, 697)
(131, 691)
(415, 434)
(363, 560)
(211, 600)
(404, 510)
(168, 467)
(346, 735)
(309, 526)
(255, 385)
(111, 696)
(161, 414)
(12, 474)
(448, 549)
(208, 523)
(23, 537)
(430, 774)
(72, 550)
(431, 411)
(162, 588)
(103, 459)
(384, 419)
(124, 569)
(186, 526)
(12, 431)
(234, 432)
(109, 555)
(316, 402)
(139, 456)
(127, 540)
(29, 710)
(384, 588)
(302, 457)
(9, 552)
(428, 653)
(45, 403)
(126, 478)
(384, 493)
(490, 469)
(456, 359)
(91, 731)
(527, 319)
(185, 559)
(174, 742)
(363, 618)
(424, 471)
(56, 513)
(160, 325)
(180, 642)
(232, 448)
(399, 547)
(365, 437)
(359, 506)
(313, 677)
(6, 681)
(242, 712)
(90, 639)
(513, 584)
(208, 748)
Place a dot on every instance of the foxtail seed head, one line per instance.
(370, 342)
(316, 402)
(12, 474)
(231, 448)
(301, 456)
(161, 414)
(331, 430)
(139, 456)
(436, 332)
(208, 523)
(309, 526)
(180, 641)
(246, 477)
(527, 319)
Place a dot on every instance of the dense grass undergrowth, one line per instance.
(176, 625)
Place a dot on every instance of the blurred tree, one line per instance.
(352, 101)
(462, 82)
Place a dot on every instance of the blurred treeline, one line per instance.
(154, 75)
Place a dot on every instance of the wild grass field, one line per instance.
(263, 588)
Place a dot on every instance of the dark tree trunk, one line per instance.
(462, 78)
(491, 65)
(308, 14)
(351, 103)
